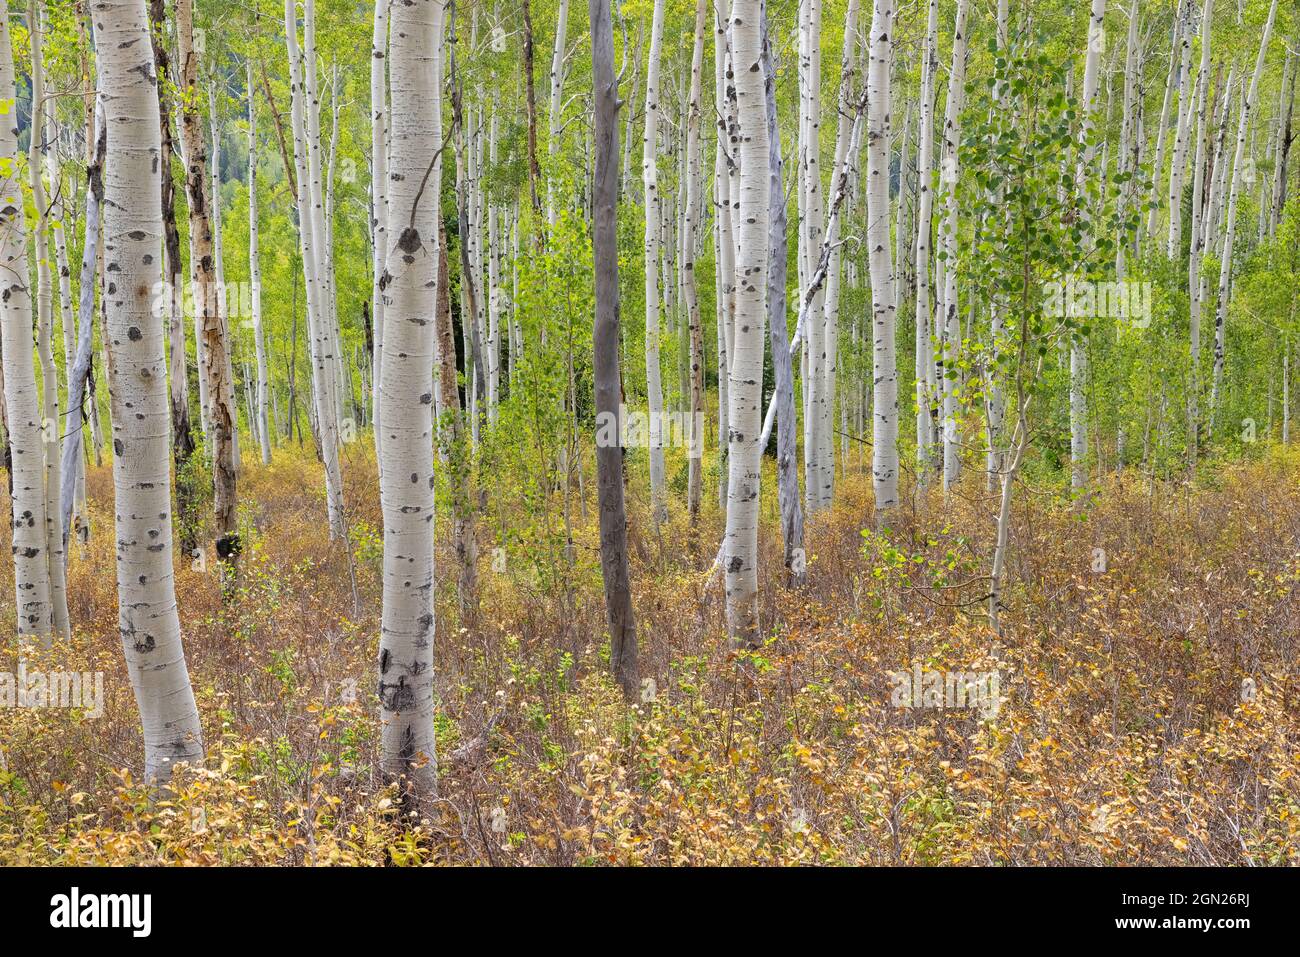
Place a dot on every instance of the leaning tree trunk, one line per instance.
(207, 302)
(746, 385)
(407, 484)
(619, 616)
(147, 616)
(22, 410)
(79, 376)
(884, 414)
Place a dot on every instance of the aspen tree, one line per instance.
(1230, 223)
(215, 339)
(924, 230)
(695, 465)
(261, 419)
(1195, 287)
(378, 201)
(948, 332)
(650, 186)
(23, 415)
(407, 484)
(147, 615)
(1079, 343)
(51, 425)
(745, 387)
(619, 616)
(884, 459)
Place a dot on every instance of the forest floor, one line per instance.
(1146, 710)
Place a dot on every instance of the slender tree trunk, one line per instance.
(133, 227)
(650, 186)
(884, 463)
(51, 424)
(619, 616)
(695, 466)
(787, 453)
(1230, 224)
(263, 422)
(924, 231)
(949, 335)
(23, 413)
(1195, 288)
(215, 368)
(745, 388)
(378, 202)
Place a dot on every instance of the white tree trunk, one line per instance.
(950, 332)
(745, 388)
(819, 474)
(1230, 224)
(650, 185)
(261, 411)
(924, 231)
(147, 616)
(51, 423)
(311, 234)
(22, 410)
(1178, 168)
(724, 245)
(884, 457)
(407, 484)
(1195, 288)
(378, 204)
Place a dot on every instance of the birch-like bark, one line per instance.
(1157, 168)
(831, 303)
(949, 335)
(724, 245)
(22, 408)
(555, 111)
(147, 615)
(787, 452)
(1230, 223)
(924, 231)
(215, 365)
(619, 616)
(187, 505)
(745, 388)
(692, 212)
(310, 233)
(884, 413)
(51, 426)
(1186, 103)
(1079, 344)
(378, 202)
(407, 485)
(79, 376)
(1195, 288)
(650, 186)
(261, 410)
(819, 475)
